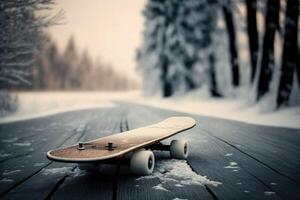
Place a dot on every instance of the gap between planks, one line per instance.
(123, 127)
(62, 180)
(252, 157)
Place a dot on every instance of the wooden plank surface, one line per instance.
(95, 185)
(251, 162)
(39, 178)
(247, 177)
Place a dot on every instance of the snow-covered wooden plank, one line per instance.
(86, 185)
(235, 154)
(276, 147)
(212, 157)
(171, 178)
(269, 159)
(94, 185)
(33, 172)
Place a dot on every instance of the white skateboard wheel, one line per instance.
(88, 166)
(179, 149)
(142, 162)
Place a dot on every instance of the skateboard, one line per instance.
(134, 147)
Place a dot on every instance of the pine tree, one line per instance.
(84, 70)
(177, 41)
(68, 71)
(20, 37)
(290, 52)
(71, 64)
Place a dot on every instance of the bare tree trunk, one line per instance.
(267, 62)
(290, 53)
(212, 75)
(298, 67)
(232, 44)
(166, 85)
(252, 35)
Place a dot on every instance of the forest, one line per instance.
(72, 70)
(230, 48)
(31, 60)
(247, 49)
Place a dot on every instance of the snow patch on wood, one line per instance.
(179, 173)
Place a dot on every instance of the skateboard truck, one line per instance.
(110, 146)
(80, 146)
(160, 147)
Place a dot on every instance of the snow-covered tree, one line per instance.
(20, 26)
(73, 70)
(177, 45)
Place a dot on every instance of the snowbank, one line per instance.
(38, 104)
(233, 109)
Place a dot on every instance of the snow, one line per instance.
(7, 172)
(179, 173)
(6, 180)
(160, 187)
(60, 170)
(178, 185)
(14, 139)
(4, 155)
(237, 109)
(232, 165)
(38, 164)
(69, 171)
(40, 104)
(269, 193)
(22, 144)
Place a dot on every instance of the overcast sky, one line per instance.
(109, 29)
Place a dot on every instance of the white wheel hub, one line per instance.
(179, 149)
(142, 162)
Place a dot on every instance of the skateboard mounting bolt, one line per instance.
(80, 146)
(110, 146)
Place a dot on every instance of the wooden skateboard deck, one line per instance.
(117, 145)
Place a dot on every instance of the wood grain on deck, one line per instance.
(97, 150)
